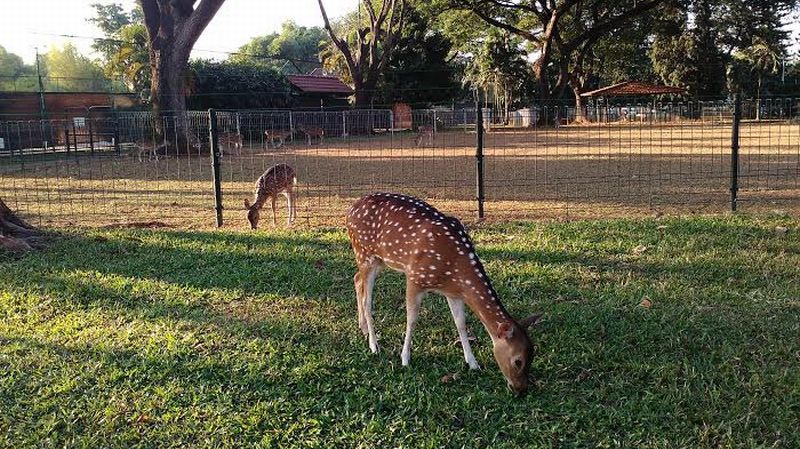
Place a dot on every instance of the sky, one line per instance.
(30, 23)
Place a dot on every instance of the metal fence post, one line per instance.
(116, 132)
(291, 127)
(344, 125)
(737, 119)
(91, 134)
(214, 144)
(479, 158)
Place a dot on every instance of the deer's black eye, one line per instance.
(518, 363)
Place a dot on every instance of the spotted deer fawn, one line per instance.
(278, 179)
(280, 135)
(312, 132)
(436, 255)
(228, 140)
(424, 131)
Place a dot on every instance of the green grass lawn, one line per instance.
(126, 338)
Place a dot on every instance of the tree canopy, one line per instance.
(14, 73)
(293, 50)
(66, 69)
(123, 50)
(227, 85)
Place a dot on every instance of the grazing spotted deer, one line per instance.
(312, 132)
(436, 255)
(278, 179)
(147, 147)
(281, 135)
(230, 140)
(424, 131)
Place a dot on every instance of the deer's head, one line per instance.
(252, 214)
(513, 351)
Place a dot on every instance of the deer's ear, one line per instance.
(531, 321)
(506, 330)
(246, 203)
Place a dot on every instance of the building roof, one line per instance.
(633, 88)
(320, 84)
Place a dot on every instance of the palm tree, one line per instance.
(763, 59)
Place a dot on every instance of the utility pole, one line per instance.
(42, 107)
(44, 125)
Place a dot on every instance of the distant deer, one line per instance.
(147, 147)
(230, 140)
(278, 179)
(312, 132)
(422, 132)
(436, 255)
(281, 135)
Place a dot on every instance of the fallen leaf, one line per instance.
(781, 229)
(661, 227)
(319, 264)
(646, 302)
(640, 249)
(144, 418)
(447, 378)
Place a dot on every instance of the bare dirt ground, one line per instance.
(568, 172)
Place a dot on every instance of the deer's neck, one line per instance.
(261, 198)
(482, 299)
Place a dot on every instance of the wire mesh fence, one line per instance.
(604, 160)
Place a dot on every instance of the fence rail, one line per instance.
(113, 167)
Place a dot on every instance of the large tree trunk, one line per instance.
(580, 106)
(15, 234)
(168, 88)
(173, 27)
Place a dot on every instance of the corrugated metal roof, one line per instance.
(633, 88)
(320, 84)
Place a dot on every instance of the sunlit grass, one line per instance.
(121, 338)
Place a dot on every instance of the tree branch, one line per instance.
(341, 45)
(152, 20)
(197, 21)
(612, 23)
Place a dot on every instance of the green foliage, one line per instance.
(68, 70)
(713, 53)
(497, 66)
(227, 85)
(125, 56)
(125, 338)
(15, 75)
(420, 70)
(295, 49)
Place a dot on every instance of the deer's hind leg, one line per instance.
(273, 200)
(364, 281)
(290, 205)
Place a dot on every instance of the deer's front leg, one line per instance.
(457, 310)
(414, 296)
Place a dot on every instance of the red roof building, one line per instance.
(322, 91)
(320, 84)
